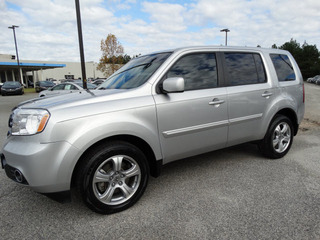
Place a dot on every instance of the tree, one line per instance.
(310, 65)
(112, 51)
(294, 48)
(274, 46)
(307, 57)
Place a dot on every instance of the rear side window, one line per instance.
(244, 68)
(283, 67)
(198, 70)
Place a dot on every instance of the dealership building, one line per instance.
(34, 70)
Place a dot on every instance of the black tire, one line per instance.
(118, 186)
(278, 139)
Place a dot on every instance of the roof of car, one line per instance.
(221, 48)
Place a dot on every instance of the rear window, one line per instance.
(283, 67)
(46, 83)
(244, 68)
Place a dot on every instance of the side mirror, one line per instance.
(173, 85)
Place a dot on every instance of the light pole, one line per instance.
(83, 66)
(13, 27)
(226, 30)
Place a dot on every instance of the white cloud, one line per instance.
(166, 17)
(48, 29)
(261, 22)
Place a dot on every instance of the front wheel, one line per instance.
(278, 139)
(113, 177)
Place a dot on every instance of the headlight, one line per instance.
(28, 121)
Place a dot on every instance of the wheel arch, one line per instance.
(289, 113)
(154, 164)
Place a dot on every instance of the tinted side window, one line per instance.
(58, 87)
(244, 68)
(283, 67)
(70, 87)
(74, 87)
(198, 70)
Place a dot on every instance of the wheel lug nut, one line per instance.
(120, 183)
(122, 176)
(113, 184)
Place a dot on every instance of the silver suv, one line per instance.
(156, 109)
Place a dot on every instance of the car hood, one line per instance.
(68, 99)
(10, 87)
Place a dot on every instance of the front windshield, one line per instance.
(136, 72)
(11, 84)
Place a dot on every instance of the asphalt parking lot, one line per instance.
(233, 193)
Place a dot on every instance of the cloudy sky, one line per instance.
(48, 31)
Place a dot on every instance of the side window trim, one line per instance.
(221, 70)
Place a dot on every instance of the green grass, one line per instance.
(29, 90)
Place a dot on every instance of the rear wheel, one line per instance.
(278, 139)
(113, 177)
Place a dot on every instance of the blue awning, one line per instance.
(34, 66)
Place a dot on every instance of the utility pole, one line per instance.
(226, 30)
(83, 66)
(13, 27)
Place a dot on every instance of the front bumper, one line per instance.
(11, 92)
(45, 168)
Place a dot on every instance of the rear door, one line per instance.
(196, 120)
(248, 93)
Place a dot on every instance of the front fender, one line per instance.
(84, 132)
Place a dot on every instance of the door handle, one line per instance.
(266, 94)
(216, 102)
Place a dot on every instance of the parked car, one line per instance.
(98, 81)
(11, 88)
(315, 79)
(55, 81)
(156, 109)
(43, 85)
(80, 83)
(64, 88)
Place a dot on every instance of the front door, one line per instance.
(195, 121)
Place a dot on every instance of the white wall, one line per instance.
(72, 68)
